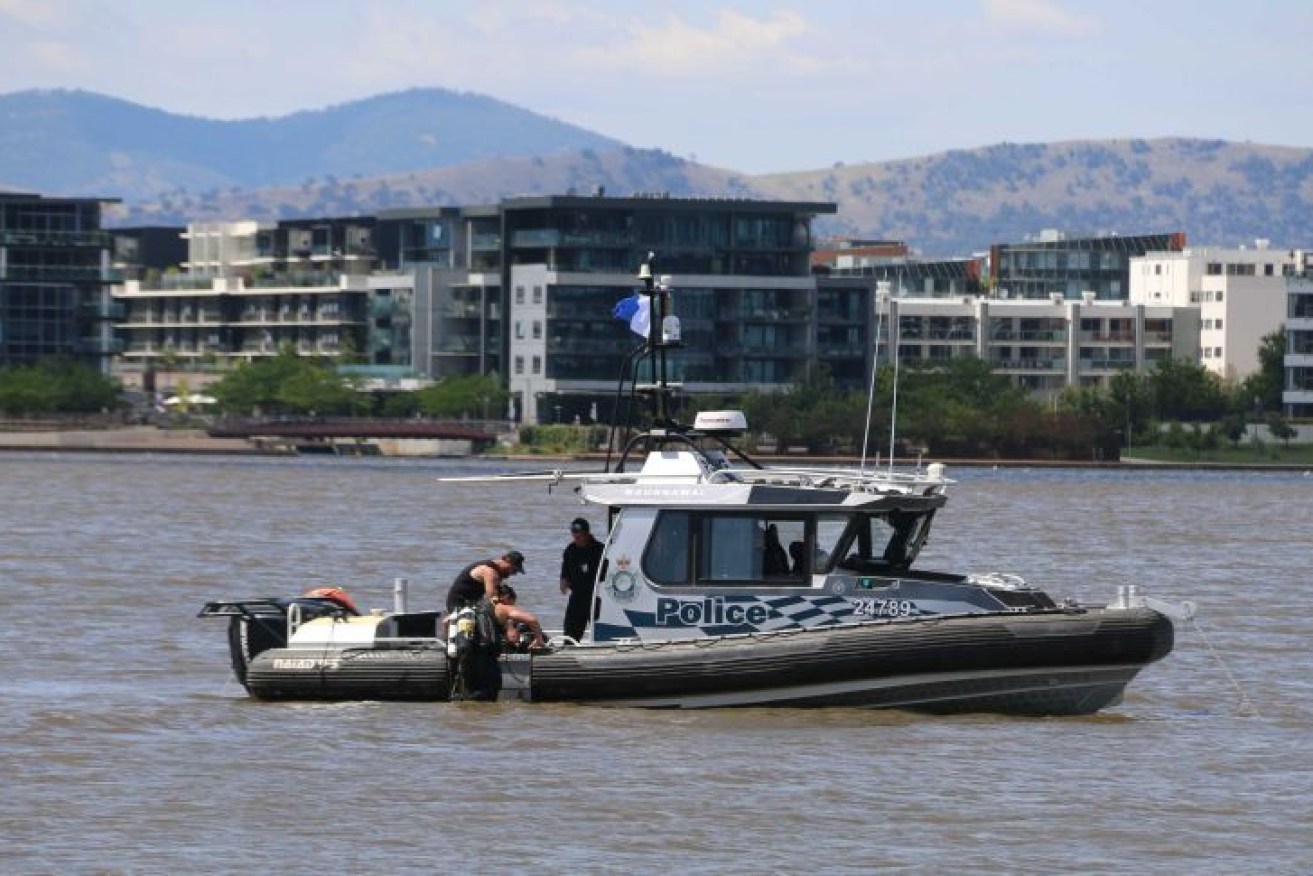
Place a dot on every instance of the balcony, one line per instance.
(841, 351)
(1107, 365)
(1108, 337)
(536, 237)
(81, 274)
(19, 237)
(1028, 364)
(764, 314)
(463, 311)
(382, 307)
(1040, 337)
(948, 335)
(99, 346)
(297, 279)
(112, 311)
(846, 317)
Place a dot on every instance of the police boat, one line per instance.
(726, 582)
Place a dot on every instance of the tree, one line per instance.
(1233, 427)
(1174, 438)
(1185, 390)
(472, 395)
(1131, 395)
(58, 386)
(1265, 385)
(319, 389)
(253, 387)
(1281, 429)
(287, 383)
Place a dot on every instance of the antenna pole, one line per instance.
(894, 332)
(875, 366)
(663, 331)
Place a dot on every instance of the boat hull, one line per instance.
(349, 674)
(1049, 663)
(1045, 663)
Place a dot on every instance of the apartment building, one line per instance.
(743, 292)
(1043, 346)
(454, 257)
(1240, 293)
(525, 288)
(55, 278)
(248, 289)
(1297, 395)
(1053, 264)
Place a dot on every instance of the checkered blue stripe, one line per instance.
(785, 612)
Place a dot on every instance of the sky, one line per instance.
(757, 87)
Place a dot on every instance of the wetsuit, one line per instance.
(466, 589)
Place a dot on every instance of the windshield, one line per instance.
(885, 542)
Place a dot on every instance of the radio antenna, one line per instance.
(875, 367)
(894, 332)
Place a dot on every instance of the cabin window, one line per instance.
(878, 544)
(729, 549)
(829, 530)
(666, 559)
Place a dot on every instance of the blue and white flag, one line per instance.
(637, 311)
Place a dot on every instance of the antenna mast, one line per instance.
(663, 333)
(881, 293)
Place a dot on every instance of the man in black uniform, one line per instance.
(578, 575)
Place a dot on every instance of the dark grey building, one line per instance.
(1056, 266)
(55, 275)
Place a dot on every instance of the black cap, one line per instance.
(579, 525)
(516, 559)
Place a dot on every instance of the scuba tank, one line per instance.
(472, 647)
(462, 630)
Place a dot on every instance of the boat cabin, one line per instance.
(696, 549)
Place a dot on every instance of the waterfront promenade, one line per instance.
(133, 439)
(150, 439)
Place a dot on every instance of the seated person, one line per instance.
(776, 561)
(517, 623)
(798, 552)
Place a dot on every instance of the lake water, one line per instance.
(127, 747)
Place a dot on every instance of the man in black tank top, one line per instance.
(480, 579)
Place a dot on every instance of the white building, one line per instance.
(1044, 346)
(249, 290)
(1240, 293)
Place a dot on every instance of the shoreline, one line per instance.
(133, 439)
(148, 439)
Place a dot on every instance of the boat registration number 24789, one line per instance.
(871, 607)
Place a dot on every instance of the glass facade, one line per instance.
(691, 236)
(1066, 268)
(54, 275)
(1297, 395)
(583, 341)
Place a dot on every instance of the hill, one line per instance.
(951, 204)
(618, 172)
(428, 147)
(77, 142)
(1220, 193)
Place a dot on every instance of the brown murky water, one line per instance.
(128, 748)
